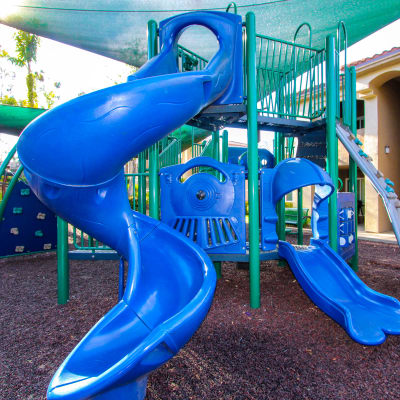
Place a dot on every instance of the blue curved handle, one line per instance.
(225, 69)
(203, 162)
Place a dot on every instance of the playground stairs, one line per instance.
(382, 185)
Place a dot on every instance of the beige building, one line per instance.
(378, 123)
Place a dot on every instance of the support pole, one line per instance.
(121, 279)
(280, 207)
(154, 185)
(225, 146)
(62, 261)
(218, 268)
(215, 144)
(332, 142)
(353, 165)
(142, 183)
(300, 216)
(252, 139)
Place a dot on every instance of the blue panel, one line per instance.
(207, 210)
(287, 176)
(28, 225)
(265, 159)
(346, 224)
(234, 153)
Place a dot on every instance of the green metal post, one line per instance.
(347, 101)
(142, 183)
(218, 268)
(216, 151)
(252, 140)
(154, 185)
(215, 144)
(352, 164)
(62, 261)
(225, 146)
(280, 156)
(280, 207)
(332, 142)
(300, 216)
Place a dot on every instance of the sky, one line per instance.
(81, 71)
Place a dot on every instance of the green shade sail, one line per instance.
(117, 28)
(14, 119)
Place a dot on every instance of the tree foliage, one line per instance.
(26, 46)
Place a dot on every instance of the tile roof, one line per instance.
(376, 57)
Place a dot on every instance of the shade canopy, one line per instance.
(117, 28)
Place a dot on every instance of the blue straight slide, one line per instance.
(74, 157)
(333, 286)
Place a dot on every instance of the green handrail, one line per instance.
(4, 164)
(232, 4)
(10, 188)
(309, 30)
(342, 27)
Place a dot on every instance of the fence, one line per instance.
(290, 79)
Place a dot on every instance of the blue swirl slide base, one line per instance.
(366, 315)
(112, 361)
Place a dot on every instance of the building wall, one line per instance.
(389, 135)
(379, 87)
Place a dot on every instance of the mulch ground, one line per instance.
(287, 349)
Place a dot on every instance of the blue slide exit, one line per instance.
(333, 286)
(74, 156)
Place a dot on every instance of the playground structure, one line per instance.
(100, 187)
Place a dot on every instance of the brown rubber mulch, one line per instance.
(287, 349)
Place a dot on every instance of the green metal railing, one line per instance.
(198, 148)
(190, 61)
(8, 182)
(171, 154)
(290, 79)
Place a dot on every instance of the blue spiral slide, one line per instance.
(74, 156)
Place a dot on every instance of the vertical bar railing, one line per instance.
(294, 69)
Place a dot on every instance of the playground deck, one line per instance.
(287, 349)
